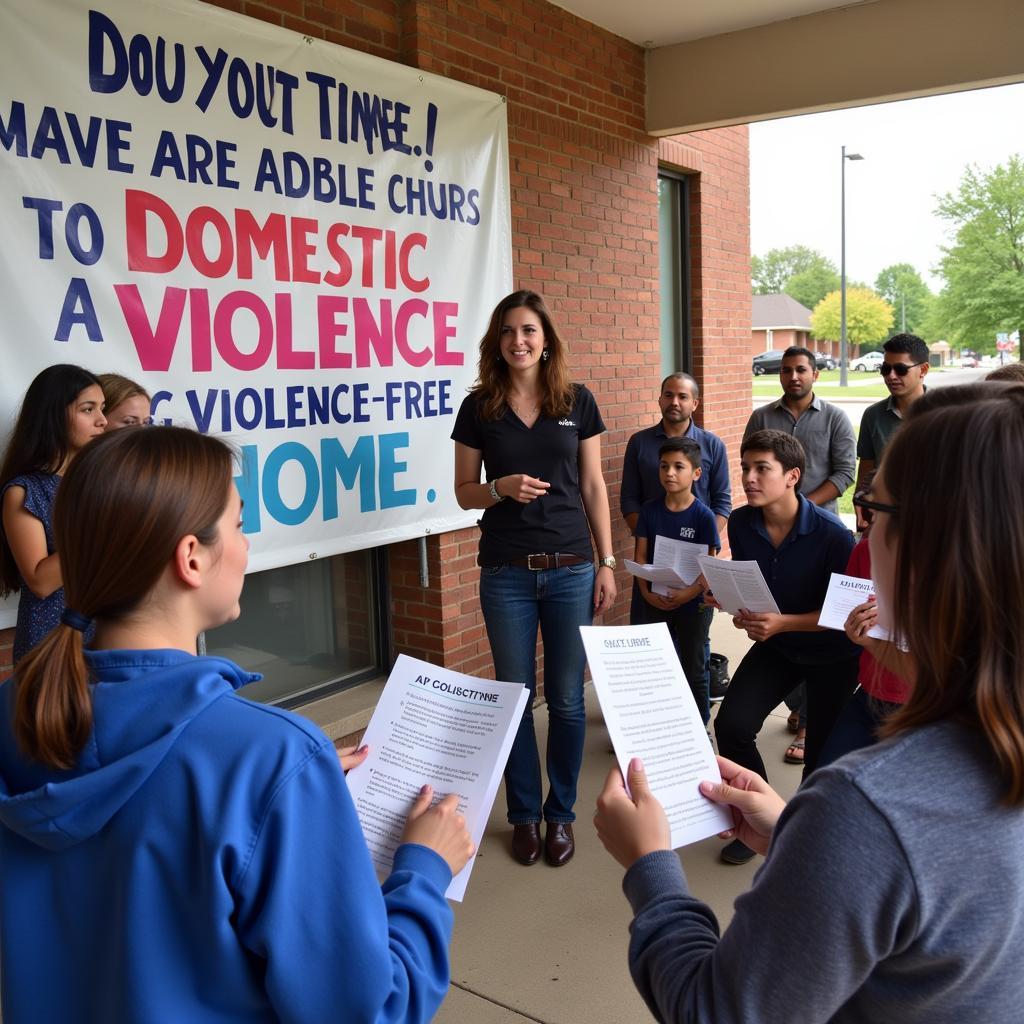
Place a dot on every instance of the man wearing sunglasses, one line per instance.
(904, 368)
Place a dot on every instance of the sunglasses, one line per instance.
(863, 502)
(900, 369)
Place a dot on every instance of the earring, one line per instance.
(544, 355)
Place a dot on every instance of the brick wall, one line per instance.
(584, 234)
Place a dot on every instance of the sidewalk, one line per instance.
(549, 945)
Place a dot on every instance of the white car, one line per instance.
(867, 363)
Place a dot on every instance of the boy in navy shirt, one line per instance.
(680, 515)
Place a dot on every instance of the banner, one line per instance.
(287, 243)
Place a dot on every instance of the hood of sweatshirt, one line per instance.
(142, 702)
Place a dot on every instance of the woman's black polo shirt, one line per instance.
(555, 522)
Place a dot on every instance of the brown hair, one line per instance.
(118, 389)
(124, 504)
(491, 389)
(786, 448)
(1008, 371)
(959, 577)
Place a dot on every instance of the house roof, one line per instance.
(779, 311)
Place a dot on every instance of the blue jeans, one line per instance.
(514, 601)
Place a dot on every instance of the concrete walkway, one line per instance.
(549, 945)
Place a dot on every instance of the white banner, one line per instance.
(287, 243)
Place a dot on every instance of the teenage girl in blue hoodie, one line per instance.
(172, 851)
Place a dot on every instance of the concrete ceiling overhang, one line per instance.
(718, 62)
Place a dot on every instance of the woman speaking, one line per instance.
(537, 437)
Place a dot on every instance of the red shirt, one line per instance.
(876, 681)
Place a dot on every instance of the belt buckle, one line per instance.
(536, 568)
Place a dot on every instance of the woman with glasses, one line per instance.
(884, 844)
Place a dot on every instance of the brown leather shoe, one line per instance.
(526, 842)
(559, 845)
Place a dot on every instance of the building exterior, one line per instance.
(777, 322)
(602, 214)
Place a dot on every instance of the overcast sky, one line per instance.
(912, 152)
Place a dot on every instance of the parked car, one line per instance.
(771, 362)
(867, 363)
(969, 361)
(766, 362)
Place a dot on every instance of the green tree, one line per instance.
(868, 317)
(984, 267)
(903, 288)
(769, 273)
(812, 285)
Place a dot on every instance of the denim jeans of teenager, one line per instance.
(515, 601)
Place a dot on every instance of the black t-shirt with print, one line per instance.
(549, 450)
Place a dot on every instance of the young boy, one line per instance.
(681, 516)
(798, 546)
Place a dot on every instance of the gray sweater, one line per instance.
(892, 892)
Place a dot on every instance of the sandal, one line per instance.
(795, 752)
(793, 722)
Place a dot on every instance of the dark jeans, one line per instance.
(514, 601)
(689, 632)
(857, 726)
(638, 609)
(759, 684)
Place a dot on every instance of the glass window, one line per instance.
(308, 628)
(674, 271)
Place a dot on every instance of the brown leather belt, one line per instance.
(555, 561)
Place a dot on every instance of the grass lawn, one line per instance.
(861, 385)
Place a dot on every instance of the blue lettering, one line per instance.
(71, 234)
(204, 415)
(13, 131)
(248, 484)
(78, 293)
(45, 209)
(290, 451)
(347, 467)
(293, 395)
(389, 468)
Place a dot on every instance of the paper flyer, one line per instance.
(651, 714)
(433, 726)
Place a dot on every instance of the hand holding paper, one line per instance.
(450, 731)
(738, 586)
(845, 595)
(631, 822)
(651, 714)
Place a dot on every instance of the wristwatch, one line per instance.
(493, 487)
(608, 562)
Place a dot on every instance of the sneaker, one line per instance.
(719, 665)
(736, 853)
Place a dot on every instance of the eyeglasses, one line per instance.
(863, 502)
(900, 369)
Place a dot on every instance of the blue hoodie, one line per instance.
(203, 863)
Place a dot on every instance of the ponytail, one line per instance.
(126, 500)
(53, 705)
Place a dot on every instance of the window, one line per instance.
(674, 271)
(309, 628)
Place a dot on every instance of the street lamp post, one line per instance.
(843, 351)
